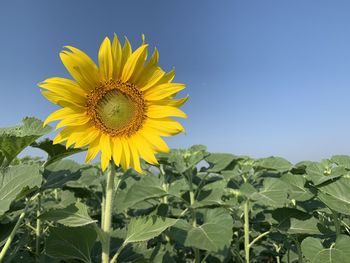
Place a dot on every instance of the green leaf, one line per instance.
(71, 243)
(219, 161)
(148, 187)
(145, 228)
(296, 183)
(308, 226)
(314, 251)
(342, 160)
(336, 195)
(273, 163)
(13, 140)
(213, 235)
(183, 160)
(59, 173)
(14, 180)
(322, 172)
(273, 193)
(73, 215)
(55, 152)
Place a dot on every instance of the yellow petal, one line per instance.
(172, 102)
(117, 150)
(59, 114)
(157, 143)
(135, 159)
(76, 119)
(106, 151)
(144, 149)
(93, 150)
(126, 52)
(64, 100)
(117, 56)
(125, 160)
(105, 59)
(165, 126)
(161, 111)
(134, 63)
(82, 68)
(86, 137)
(163, 91)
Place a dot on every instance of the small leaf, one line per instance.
(336, 195)
(55, 152)
(213, 235)
(14, 180)
(14, 139)
(59, 173)
(273, 163)
(296, 183)
(71, 243)
(273, 193)
(145, 228)
(314, 251)
(219, 161)
(148, 187)
(73, 215)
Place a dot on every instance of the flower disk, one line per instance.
(121, 107)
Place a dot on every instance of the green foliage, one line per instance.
(194, 205)
(13, 140)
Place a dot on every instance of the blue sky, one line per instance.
(264, 77)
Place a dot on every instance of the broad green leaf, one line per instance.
(308, 226)
(219, 161)
(314, 251)
(14, 180)
(148, 187)
(273, 163)
(296, 190)
(14, 139)
(90, 178)
(283, 216)
(73, 215)
(70, 243)
(59, 173)
(341, 160)
(55, 152)
(208, 196)
(183, 160)
(273, 193)
(145, 228)
(322, 172)
(336, 195)
(214, 234)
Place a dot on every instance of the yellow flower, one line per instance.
(120, 108)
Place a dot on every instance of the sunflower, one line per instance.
(121, 107)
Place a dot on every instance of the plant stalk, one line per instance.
(194, 216)
(336, 223)
(107, 213)
(38, 228)
(246, 231)
(14, 230)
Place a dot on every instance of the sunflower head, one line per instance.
(121, 107)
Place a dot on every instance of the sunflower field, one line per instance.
(193, 206)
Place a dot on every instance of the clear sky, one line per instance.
(265, 77)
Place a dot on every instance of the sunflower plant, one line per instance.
(120, 107)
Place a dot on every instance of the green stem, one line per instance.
(194, 216)
(38, 228)
(246, 231)
(300, 254)
(107, 213)
(258, 237)
(114, 258)
(336, 223)
(14, 230)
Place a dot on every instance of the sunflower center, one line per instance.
(116, 108)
